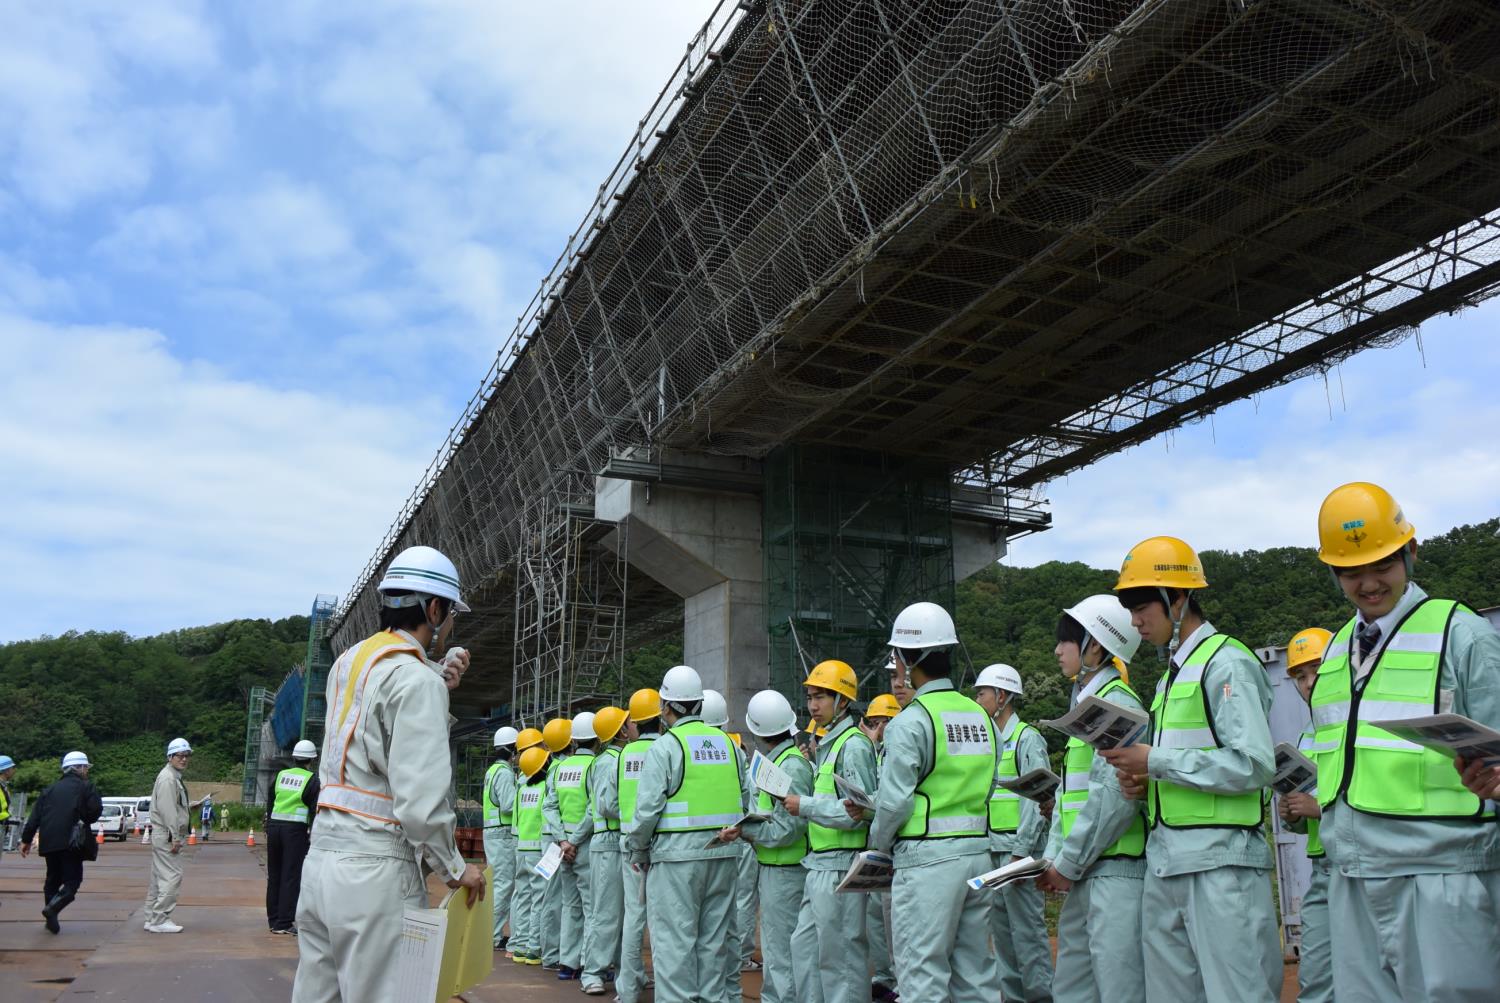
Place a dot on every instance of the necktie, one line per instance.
(1369, 636)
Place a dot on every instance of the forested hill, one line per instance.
(121, 698)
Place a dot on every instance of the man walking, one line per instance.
(61, 818)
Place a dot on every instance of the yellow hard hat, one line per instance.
(736, 736)
(1307, 646)
(814, 728)
(884, 705)
(533, 761)
(645, 704)
(1162, 561)
(528, 738)
(1122, 670)
(608, 722)
(557, 733)
(835, 676)
(1360, 523)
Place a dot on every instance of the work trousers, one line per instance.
(573, 891)
(1211, 937)
(630, 981)
(601, 925)
(780, 905)
(1099, 957)
(878, 938)
(166, 878)
(940, 928)
(1018, 926)
(64, 876)
(1315, 960)
(286, 848)
(526, 906)
(500, 855)
(828, 946)
(1420, 937)
(550, 923)
(748, 907)
(688, 903)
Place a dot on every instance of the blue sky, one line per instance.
(254, 259)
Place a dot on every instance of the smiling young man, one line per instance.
(1413, 844)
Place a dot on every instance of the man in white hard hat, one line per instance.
(1018, 924)
(169, 831)
(692, 785)
(383, 811)
(499, 801)
(571, 823)
(941, 746)
(294, 800)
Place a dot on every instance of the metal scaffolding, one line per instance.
(257, 735)
(319, 661)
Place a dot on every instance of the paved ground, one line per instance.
(225, 954)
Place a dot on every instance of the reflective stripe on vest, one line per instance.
(709, 795)
(825, 839)
(1005, 806)
(951, 801)
(1182, 719)
(780, 856)
(496, 815)
(606, 761)
(1388, 775)
(528, 815)
(1078, 760)
(288, 806)
(571, 784)
(346, 696)
(632, 762)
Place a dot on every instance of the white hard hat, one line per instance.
(506, 736)
(178, 745)
(424, 571)
(715, 709)
(682, 684)
(73, 759)
(890, 663)
(769, 713)
(1108, 623)
(923, 625)
(583, 726)
(1002, 677)
(304, 750)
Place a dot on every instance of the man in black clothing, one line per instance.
(293, 802)
(62, 817)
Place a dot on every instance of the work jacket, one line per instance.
(169, 804)
(69, 801)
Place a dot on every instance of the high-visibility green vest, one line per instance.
(780, 856)
(528, 814)
(4, 803)
(1078, 760)
(571, 783)
(1005, 806)
(1389, 775)
(632, 762)
(288, 806)
(605, 761)
(951, 801)
(1308, 745)
(1183, 720)
(495, 815)
(822, 838)
(709, 795)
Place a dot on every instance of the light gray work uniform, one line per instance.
(1018, 922)
(169, 828)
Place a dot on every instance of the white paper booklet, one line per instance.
(1294, 771)
(1016, 870)
(550, 862)
(1451, 734)
(1036, 785)
(1102, 724)
(768, 776)
(871, 872)
(851, 791)
(420, 957)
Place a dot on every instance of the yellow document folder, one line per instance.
(447, 951)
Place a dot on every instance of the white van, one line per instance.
(113, 822)
(137, 810)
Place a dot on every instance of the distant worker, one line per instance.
(526, 904)
(780, 843)
(499, 805)
(1018, 923)
(224, 817)
(383, 810)
(1208, 915)
(288, 823)
(937, 771)
(603, 912)
(644, 727)
(557, 736)
(566, 809)
(7, 770)
(1097, 844)
(1413, 844)
(70, 802)
(206, 816)
(170, 823)
(1301, 813)
(691, 784)
(878, 907)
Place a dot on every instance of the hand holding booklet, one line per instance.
(871, 872)
(851, 791)
(749, 817)
(1102, 724)
(1450, 734)
(1016, 870)
(445, 951)
(1295, 773)
(769, 777)
(551, 860)
(1036, 785)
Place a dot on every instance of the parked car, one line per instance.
(114, 822)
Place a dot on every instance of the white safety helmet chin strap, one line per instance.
(1167, 653)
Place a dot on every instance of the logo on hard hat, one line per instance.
(1189, 568)
(1357, 537)
(908, 630)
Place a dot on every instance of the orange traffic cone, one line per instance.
(192, 837)
(250, 838)
(137, 830)
(99, 837)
